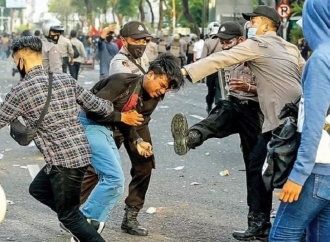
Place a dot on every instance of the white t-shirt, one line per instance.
(198, 48)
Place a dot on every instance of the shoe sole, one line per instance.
(179, 129)
(64, 228)
(128, 231)
(252, 239)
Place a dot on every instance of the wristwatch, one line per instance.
(138, 141)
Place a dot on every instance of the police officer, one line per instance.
(176, 48)
(51, 54)
(152, 48)
(239, 114)
(131, 58)
(277, 65)
(190, 49)
(162, 47)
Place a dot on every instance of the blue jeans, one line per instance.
(106, 161)
(88, 53)
(311, 212)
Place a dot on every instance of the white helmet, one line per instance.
(52, 24)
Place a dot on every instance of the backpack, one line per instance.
(75, 52)
(282, 149)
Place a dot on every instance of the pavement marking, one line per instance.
(196, 116)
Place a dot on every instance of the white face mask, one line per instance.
(252, 32)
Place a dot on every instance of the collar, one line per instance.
(33, 71)
(271, 33)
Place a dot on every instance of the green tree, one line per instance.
(63, 9)
(126, 9)
(189, 17)
(297, 8)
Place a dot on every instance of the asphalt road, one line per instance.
(207, 212)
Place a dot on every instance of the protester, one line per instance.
(60, 137)
(305, 197)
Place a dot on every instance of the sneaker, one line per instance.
(180, 131)
(74, 239)
(98, 226)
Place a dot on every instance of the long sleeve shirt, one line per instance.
(60, 137)
(276, 63)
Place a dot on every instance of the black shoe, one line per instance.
(130, 224)
(179, 128)
(258, 228)
(98, 226)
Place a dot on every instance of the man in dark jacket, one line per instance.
(140, 92)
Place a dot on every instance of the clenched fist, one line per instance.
(132, 118)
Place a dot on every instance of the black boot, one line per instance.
(184, 139)
(130, 224)
(258, 228)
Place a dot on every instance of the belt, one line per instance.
(243, 102)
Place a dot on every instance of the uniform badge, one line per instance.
(125, 63)
(140, 28)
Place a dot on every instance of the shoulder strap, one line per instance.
(215, 47)
(49, 96)
(134, 62)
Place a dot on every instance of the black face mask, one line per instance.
(54, 38)
(22, 72)
(136, 50)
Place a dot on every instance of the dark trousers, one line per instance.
(213, 89)
(235, 117)
(140, 171)
(261, 200)
(74, 69)
(190, 58)
(60, 190)
(65, 63)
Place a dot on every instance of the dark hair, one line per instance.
(27, 42)
(73, 34)
(37, 33)
(27, 32)
(168, 64)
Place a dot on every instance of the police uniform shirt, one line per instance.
(276, 63)
(240, 71)
(51, 57)
(121, 64)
